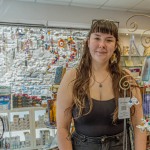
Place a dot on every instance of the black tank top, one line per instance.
(99, 121)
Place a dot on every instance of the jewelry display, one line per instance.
(127, 103)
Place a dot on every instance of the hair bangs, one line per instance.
(105, 26)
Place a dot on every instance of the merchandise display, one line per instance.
(32, 60)
(32, 63)
(146, 69)
(25, 128)
(52, 111)
(5, 97)
(145, 92)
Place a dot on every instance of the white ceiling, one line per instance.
(139, 6)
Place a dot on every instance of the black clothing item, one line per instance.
(99, 121)
(115, 142)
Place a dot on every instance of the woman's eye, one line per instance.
(109, 40)
(97, 38)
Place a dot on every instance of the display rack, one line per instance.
(145, 41)
(31, 135)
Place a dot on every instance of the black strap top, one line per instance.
(99, 121)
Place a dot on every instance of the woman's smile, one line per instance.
(99, 53)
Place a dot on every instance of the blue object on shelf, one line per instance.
(146, 69)
(58, 75)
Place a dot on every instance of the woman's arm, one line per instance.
(63, 117)
(140, 137)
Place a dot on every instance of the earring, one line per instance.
(113, 58)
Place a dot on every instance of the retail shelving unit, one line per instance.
(25, 130)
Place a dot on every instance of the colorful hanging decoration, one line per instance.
(133, 101)
(56, 58)
(47, 41)
(42, 37)
(49, 32)
(72, 47)
(73, 55)
(51, 45)
(145, 126)
(70, 42)
(61, 43)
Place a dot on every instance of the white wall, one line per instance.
(28, 12)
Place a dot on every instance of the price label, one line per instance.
(124, 109)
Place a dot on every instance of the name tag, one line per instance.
(124, 109)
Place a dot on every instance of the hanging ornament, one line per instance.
(145, 126)
(61, 43)
(133, 101)
(42, 37)
(72, 44)
(47, 46)
(64, 56)
(51, 45)
(70, 40)
(48, 32)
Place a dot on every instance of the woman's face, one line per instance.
(101, 46)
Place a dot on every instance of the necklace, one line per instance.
(100, 83)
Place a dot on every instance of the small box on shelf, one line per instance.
(51, 105)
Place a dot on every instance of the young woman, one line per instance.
(89, 95)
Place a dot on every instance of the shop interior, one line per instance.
(39, 41)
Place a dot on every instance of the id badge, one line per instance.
(124, 109)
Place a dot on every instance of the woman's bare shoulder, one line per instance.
(66, 87)
(71, 72)
(69, 77)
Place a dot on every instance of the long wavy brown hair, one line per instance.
(84, 71)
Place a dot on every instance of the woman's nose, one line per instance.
(101, 44)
